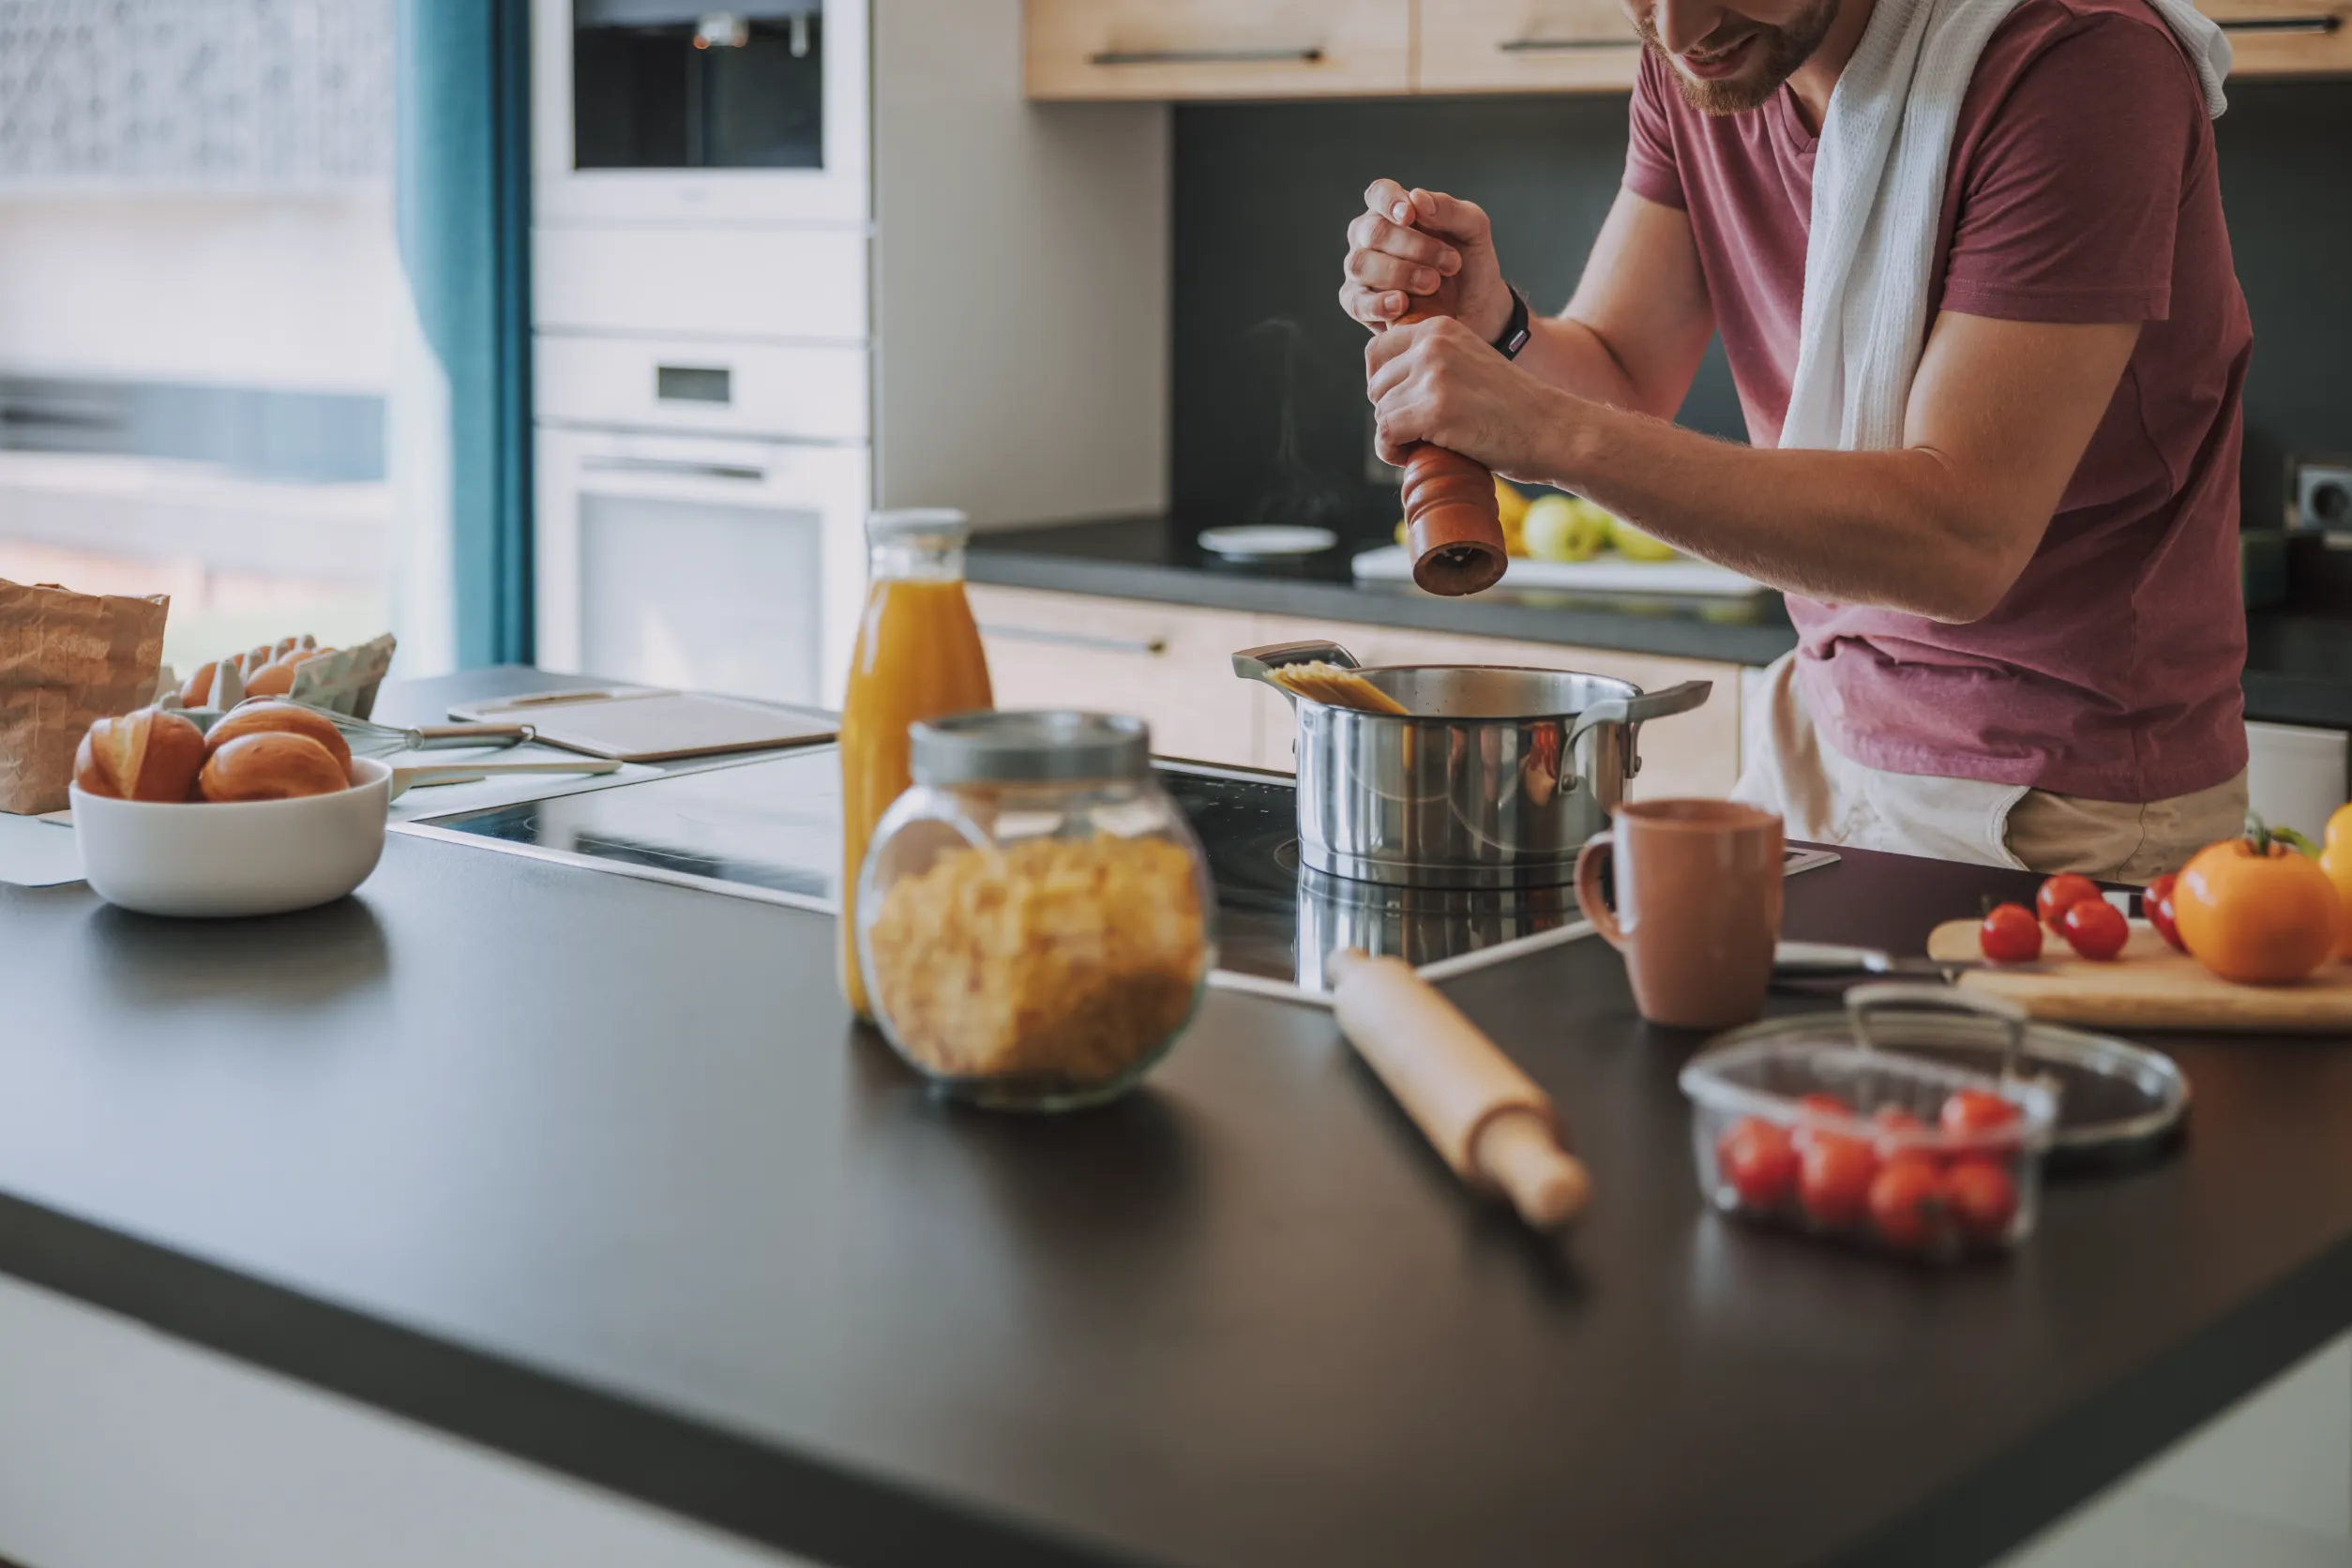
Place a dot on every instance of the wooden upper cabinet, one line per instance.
(1526, 46)
(1218, 49)
(2286, 38)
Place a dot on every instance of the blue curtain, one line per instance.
(463, 201)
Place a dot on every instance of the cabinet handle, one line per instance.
(1542, 46)
(1151, 647)
(1200, 56)
(2316, 24)
(673, 465)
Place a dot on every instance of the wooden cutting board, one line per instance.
(2151, 987)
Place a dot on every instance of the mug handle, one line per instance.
(1589, 889)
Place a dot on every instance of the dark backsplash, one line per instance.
(1264, 192)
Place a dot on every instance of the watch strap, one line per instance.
(1516, 331)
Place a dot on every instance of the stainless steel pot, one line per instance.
(1495, 778)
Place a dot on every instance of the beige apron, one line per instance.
(1827, 797)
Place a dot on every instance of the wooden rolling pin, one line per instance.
(1495, 1128)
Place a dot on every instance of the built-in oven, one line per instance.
(671, 110)
(700, 514)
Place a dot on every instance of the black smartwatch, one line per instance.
(1515, 331)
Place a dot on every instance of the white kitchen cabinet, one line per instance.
(1526, 46)
(1169, 665)
(1218, 48)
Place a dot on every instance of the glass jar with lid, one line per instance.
(1033, 919)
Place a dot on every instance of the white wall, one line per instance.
(290, 293)
(1020, 279)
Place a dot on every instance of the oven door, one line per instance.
(654, 110)
(706, 564)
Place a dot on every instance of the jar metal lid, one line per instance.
(1019, 747)
(915, 522)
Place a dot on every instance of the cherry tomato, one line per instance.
(2095, 928)
(1760, 1161)
(2010, 935)
(1975, 1110)
(2156, 903)
(1894, 1124)
(1818, 1105)
(1982, 1196)
(1908, 1204)
(2257, 914)
(1834, 1179)
(2060, 894)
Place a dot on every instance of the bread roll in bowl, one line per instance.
(265, 715)
(148, 755)
(272, 765)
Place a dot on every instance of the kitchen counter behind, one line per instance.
(2299, 667)
(1158, 559)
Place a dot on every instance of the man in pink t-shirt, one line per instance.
(2020, 634)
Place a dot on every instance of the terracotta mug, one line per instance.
(1698, 895)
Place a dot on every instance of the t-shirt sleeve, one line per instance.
(1651, 170)
(2072, 193)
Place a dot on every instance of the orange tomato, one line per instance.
(2260, 915)
(2337, 862)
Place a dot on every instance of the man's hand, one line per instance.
(1438, 381)
(1410, 246)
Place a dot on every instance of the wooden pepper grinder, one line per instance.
(1453, 526)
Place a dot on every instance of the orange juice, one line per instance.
(918, 656)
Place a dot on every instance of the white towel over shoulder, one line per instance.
(1878, 191)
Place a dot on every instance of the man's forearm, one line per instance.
(1895, 529)
(1564, 353)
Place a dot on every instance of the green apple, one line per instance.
(1560, 528)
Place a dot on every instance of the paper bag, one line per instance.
(66, 658)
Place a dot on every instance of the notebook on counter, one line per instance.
(649, 724)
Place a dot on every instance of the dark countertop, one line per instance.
(2299, 667)
(596, 1172)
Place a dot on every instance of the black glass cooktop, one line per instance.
(771, 829)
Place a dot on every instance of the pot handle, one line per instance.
(1638, 710)
(1256, 664)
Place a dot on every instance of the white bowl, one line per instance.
(249, 857)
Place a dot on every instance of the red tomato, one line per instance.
(2060, 894)
(1819, 1105)
(2010, 935)
(1834, 1179)
(1908, 1204)
(1894, 1123)
(1982, 1196)
(1975, 1110)
(2156, 903)
(1758, 1159)
(2095, 928)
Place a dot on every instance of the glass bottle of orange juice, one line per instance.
(918, 656)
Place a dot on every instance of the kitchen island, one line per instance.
(595, 1173)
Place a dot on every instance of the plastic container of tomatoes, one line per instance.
(1824, 1126)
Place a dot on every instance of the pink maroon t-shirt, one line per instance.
(2082, 189)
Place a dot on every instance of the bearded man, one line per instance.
(1968, 263)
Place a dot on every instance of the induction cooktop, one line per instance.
(769, 828)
